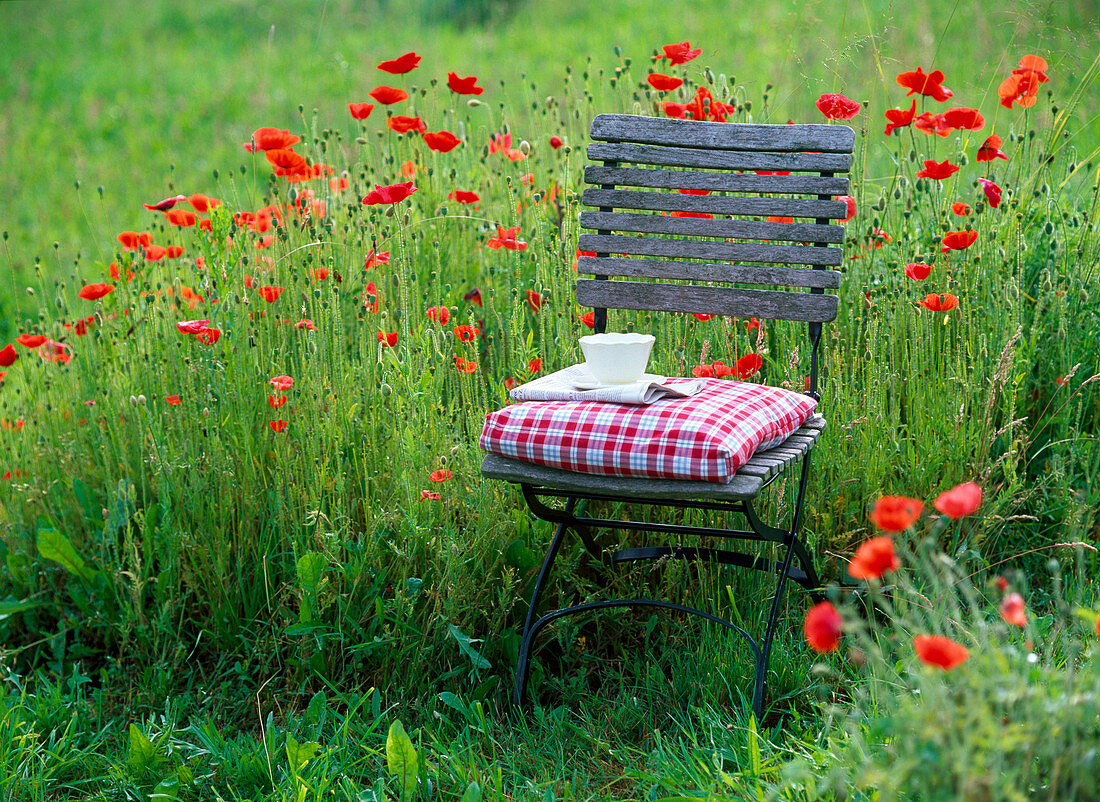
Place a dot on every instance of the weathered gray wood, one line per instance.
(724, 136)
(706, 249)
(701, 227)
(695, 271)
(746, 483)
(709, 204)
(719, 159)
(716, 182)
(690, 298)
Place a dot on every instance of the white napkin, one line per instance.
(567, 384)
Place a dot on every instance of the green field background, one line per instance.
(142, 99)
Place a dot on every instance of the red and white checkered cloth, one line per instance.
(705, 437)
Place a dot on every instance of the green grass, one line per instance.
(222, 587)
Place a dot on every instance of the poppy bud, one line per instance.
(206, 412)
(141, 399)
(386, 390)
(473, 103)
(133, 401)
(524, 147)
(30, 290)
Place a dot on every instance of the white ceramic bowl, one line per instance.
(617, 358)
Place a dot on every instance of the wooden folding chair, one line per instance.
(752, 171)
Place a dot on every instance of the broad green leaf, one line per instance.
(310, 567)
(401, 759)
(166, 790)
(56, 547)
(465, 645)
(299, 754)
(472, 793)
(9, 606)
(143, 754)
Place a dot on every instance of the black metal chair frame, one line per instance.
(539, 483)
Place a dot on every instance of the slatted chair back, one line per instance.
(787, 174)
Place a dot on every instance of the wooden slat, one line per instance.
(717, 251)
(723, 136)
(735, 302)
(716, 182)
(697, 227)
(709, 204)
(695, 271)
(719, 159)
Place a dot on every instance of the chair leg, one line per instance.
(523, 660)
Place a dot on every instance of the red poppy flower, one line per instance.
(467, 334)
(703, 318)
(394, 193)
(930, 85)
(53, 351)
(752, 324)
(93, 292)
(588, 319)
(534, 300)
(534, 365)
(282, 383)
(943, 302)
(748, 365)
(992, 192)
(899, 118)
(180, 217)
(958, 240)
(274, 402)
(896, 513)
(285, 160)
(439, 314)
(959, 501)
(991, 149)
(675, 110)
(837, 107)
(555, 142)
(402, 123)
(278, 425)
(473, 296)
(680, 53)
(963, 118)
(173, 400)
(305, 323)
(463, 196)
(131, 240)
(8, 356)
(174, 251)
(822, 627)
(1012, 610)
(874, 558)
(192, 326)
(918, 271)
(703, 371)
(463, 86)
(850, 203)
(164, 205)
(387, 338)
(961, 209)
(426, 495)
(507, 238)
(940, 652)
(402, 64)
(360, 111)
(468, 366)
(265, 242)
(203, 203)
(1022, 86)
(209, 336)
(664, 83)
(388, 94)
(929, 123)
(270, 294)
(442, 475)
(937, 171)
(31, 340)
(268, 138)
(500, 143)
(442, 141)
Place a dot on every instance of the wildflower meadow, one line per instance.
(268, 270)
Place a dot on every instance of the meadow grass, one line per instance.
(294, 584)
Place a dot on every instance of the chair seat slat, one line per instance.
(696, 227)
(706, 204)
(719, 159)
(716, 182)
(705, 249)
(725, 136)
(689, 298)
(696, 271)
